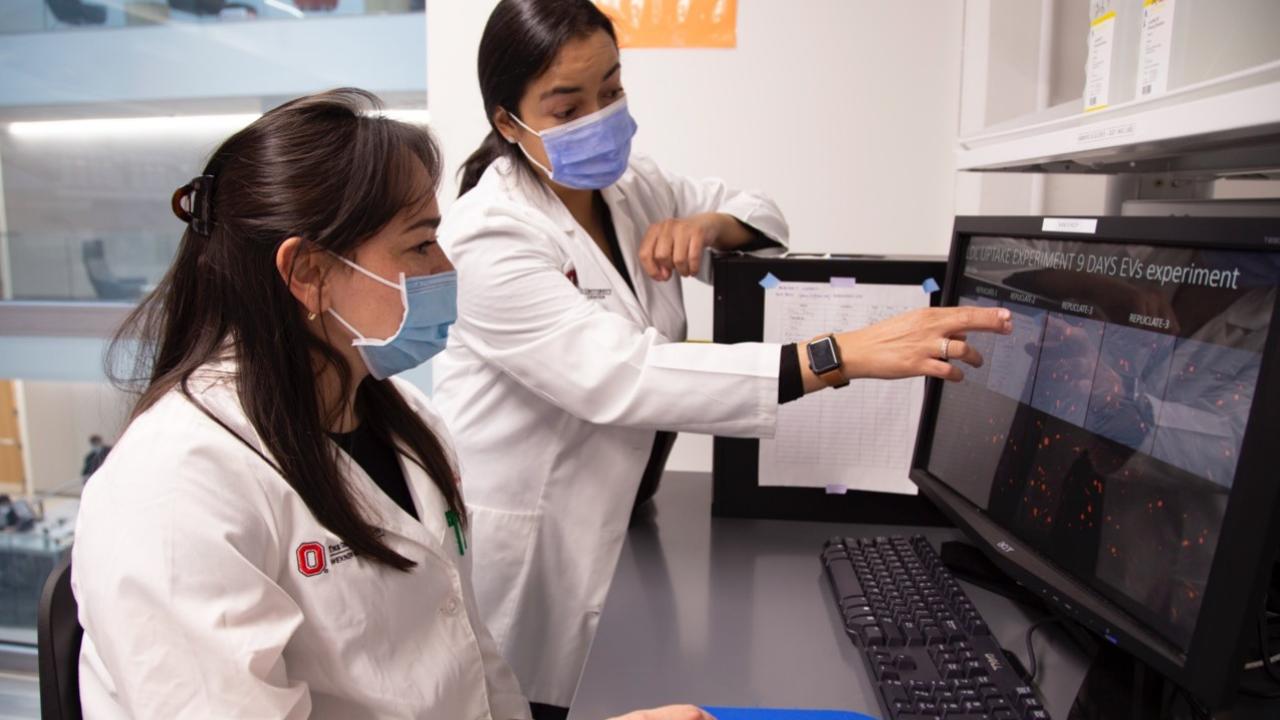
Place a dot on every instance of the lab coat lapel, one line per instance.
(214, 388)
(390, 517)
(582, 246)
(626, 231)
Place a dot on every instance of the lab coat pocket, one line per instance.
(502, 544)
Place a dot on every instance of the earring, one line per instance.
(311, 316)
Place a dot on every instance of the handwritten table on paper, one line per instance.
(860, 436)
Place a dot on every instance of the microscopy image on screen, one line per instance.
(1014, 356)
(1201, 420)
(1130, 379)
(1106, 430)
(1068, 359)
(984, 343)
(987, 418)
(1146, 514)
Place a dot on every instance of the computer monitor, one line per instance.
(1116, 454)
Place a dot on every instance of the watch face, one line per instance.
(822, 356)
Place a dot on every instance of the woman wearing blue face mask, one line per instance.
(280, 530)
(564, 376)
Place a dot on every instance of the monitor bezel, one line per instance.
(1211, 666)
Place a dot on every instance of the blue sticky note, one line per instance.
(844, 282)
(931, 286)
(725, 713)
(769, 282)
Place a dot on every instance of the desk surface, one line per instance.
(715, 611)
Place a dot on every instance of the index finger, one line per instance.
(970, 319)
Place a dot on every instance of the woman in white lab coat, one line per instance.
(280, 531)
(566, 367)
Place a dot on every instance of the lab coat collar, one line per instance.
(538, 196)
(214, 386)
(385, 514)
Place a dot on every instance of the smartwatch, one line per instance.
(824, 361)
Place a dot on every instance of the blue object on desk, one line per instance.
(725, 713)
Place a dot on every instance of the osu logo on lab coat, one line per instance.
(314, 558)
(311, 559)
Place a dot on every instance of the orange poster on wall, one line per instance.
(674, 23)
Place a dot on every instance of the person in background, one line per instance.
(97, 455)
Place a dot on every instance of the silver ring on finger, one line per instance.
(946, 348)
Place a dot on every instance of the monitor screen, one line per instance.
(1105, 432)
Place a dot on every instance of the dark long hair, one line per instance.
(326, 169)
(520, 42)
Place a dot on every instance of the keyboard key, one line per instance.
(833, 554)
(887, 672)
(893, 636)
(998, 703)
(854, 611)
(845, 581)
(893, 690)
(1029, 705)
(872, 636)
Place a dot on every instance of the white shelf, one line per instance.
(1227, 125)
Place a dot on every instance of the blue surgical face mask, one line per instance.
(430, 307)
(589, 153)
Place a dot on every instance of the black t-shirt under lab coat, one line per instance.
(790, 381)
(378, 458)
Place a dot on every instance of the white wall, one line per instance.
(58, 418)
(844, 111)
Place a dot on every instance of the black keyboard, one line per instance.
(929, 653)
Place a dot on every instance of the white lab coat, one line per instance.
(189, 567)
(554, 381)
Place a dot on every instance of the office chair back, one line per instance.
(58, 636)
(106, 284)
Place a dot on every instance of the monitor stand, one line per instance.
(1116, 685)
(968, 563)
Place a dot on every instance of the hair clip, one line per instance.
(198, 214)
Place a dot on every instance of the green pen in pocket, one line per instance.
(455, 522)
